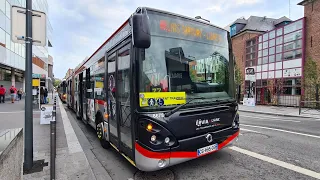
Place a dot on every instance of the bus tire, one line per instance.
(99, 130)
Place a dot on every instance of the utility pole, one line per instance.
(28, 125)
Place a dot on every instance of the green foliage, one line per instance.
(239, 79)
(56, 82)
(311, 72)
(221, 74)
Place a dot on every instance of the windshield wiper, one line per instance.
(181, 106)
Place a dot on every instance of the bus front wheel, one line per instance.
(99, 129)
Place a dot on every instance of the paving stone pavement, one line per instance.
(71, 162)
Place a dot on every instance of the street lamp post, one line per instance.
(199, 17)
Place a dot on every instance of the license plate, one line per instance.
(207, 149)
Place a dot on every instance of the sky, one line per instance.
(81, 26)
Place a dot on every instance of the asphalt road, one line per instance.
(269, 147)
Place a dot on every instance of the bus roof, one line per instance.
(81, 67)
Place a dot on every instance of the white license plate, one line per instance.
(207, 149)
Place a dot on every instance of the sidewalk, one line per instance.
(71, 162)
(281, 111)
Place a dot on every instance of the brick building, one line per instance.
(312, 16)
(277, 49)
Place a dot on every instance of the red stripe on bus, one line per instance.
(225, 142)
(100, 102)
(150, 154)
(180, 154)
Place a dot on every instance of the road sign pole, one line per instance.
(28, 148)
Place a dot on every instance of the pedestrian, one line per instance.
(13, 92)
(41, 95)
(20, 94)
(45, 95)
(2, 93)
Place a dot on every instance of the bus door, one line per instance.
(86, 91)
(119, 109)
(80, 94)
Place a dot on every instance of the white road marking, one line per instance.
(279, 116)
(269, 118)
(241, 129)
(11, 112)
(281, 130)
(277, 162)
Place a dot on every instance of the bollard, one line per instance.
(52, 149)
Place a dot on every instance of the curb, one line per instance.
(72, 139)
(277, 114)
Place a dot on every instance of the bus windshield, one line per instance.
(186, 56)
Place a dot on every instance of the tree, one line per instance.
(311, 72)
(238, 76)
(56, 82)
(311, 80)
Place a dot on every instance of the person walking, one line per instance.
(2, 93)
(45, 95)
(20, 94)
(41, 95)
(13, 92)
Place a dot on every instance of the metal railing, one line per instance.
(53, 141)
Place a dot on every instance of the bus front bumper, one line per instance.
(151, 161)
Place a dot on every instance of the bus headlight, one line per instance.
(154, 135)
(167, 140)
(153, 138)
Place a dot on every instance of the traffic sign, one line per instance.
(18, 26)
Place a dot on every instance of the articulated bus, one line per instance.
(160, 90)
(62, 90)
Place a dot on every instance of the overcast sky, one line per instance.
(81, 26)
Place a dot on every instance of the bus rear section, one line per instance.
(62, 91)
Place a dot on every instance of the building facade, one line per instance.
(276, 51)
(12, 55)
(312, 17)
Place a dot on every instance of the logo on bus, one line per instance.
(207, 123)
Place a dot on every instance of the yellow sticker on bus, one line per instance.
(99, 84)
(161, 98)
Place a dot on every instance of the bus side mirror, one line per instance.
(141, 31)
